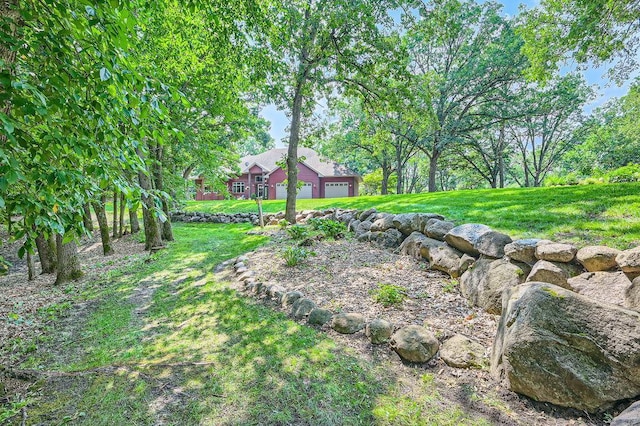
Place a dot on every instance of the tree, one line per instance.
(316, 45)
(549, 128)
(590, 32)
(463, 55)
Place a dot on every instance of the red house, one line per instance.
(262, 177)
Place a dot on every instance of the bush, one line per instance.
(294, 255)
(389, 294)
(330, 228)
(298, 232)
(630, 173)
(557, 180)
(283, 223)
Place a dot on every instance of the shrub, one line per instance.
(298, 232)
(294, 255)
(330, 228)
(630, 173)
(283, 223)
(389, 294)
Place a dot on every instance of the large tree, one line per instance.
(317, 47)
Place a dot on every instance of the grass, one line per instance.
(606, 214)
(163, 342)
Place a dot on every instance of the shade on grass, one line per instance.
(606, 214)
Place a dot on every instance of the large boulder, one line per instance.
(629, 262)
(348, 323)
(610, 287)
(484, 284)
(365, 215)
(414, 344)
(465, 237)
(597, 258)
(492, 244)
(428, 244)
(383, 223)
(557, 346)
(290, 297)
(436, 228)
(412, 244)
(363, 227)
(378, 331)
(629, 417)
(556, 252)
(552, 272)
(461, 352)
(523, 250)
(632, 295)
(446, 259)
(407, 223)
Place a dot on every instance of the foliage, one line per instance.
(451, 285)
(330, 228)
(298, 232)
(630, 173)
(389, 294)
(294, 255)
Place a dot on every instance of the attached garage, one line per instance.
(305, 192)
(336, 189)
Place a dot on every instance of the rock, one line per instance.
(609, 287)
(484, 284)
(289, 298)
(428, 244)
(465, 237)
(492, 244)
(425, 218)
(382, 224)
(557, 346)
(378, 331)
(319, 316)
(629, 262)
(348, 323)
(407, 223)
(391, 238)
(550, 272)
(367, 213)
(414, 344)
(241, 270)
(437, 229)
(632, 295)
(353, 225)
(465, 263)
(276, 292)
(461, 352)
(412, 244)
(301, 308)
(556, 252)
(597, 258)
(629, 417)
(523, 250)
(362, 228)
(445, 259)
(364, 237)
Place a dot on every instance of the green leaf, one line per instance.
(105, 74)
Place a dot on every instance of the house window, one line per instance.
(259, 178)
(237, 187)
(260, 191)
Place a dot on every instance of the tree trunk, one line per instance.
(151, 230)
(121, 219)
(103, 224)
(68, 263)
(433, 169)
(384, 185)
(86, 217)
(167, 232)
(133, 217)
(46, 253)
(31, 267)
(501, 156)
(292, 156)
(115, 213)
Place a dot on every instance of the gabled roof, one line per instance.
(323, 166)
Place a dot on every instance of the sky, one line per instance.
(594, 76)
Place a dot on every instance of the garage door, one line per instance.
(305, 192)
(336, 189)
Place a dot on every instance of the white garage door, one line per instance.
(336, 189)
(305, 192)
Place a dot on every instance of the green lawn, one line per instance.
(590, 214)
(163, 342)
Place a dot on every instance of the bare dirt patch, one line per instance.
(342, 275)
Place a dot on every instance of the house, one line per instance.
(261, 176)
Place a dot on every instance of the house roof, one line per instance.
(323, 166)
